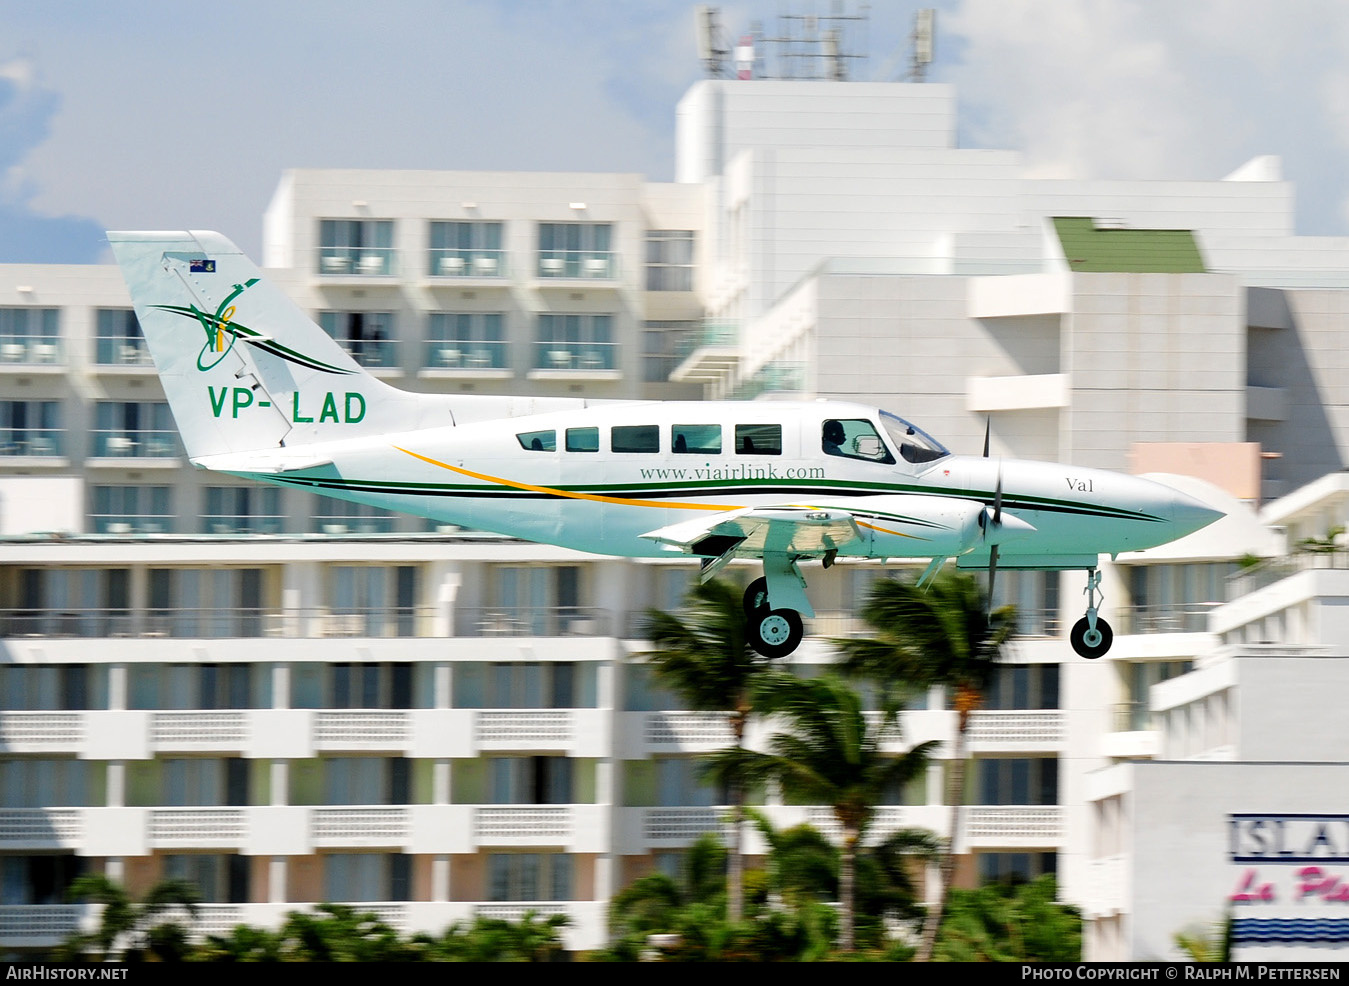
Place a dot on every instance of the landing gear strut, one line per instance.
(1092, 636)
(772, 632)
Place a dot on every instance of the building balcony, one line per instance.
(1014, 826)
(356, 264)
(29, 444)
(47, 925)
(122, 355)
(29, 353)
(557, 360)
(1016, 731)
(468, 358)
(710, 355)
(595, 267)
(461, 267)
(641, 830)
(685, 732)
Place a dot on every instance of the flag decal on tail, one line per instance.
(201, 266)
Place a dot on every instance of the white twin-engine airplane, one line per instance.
(259, 391)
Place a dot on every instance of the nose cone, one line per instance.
(1189, 515)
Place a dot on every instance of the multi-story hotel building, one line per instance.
(290, 699)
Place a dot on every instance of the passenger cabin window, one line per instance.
(538, 441)
(695, 439)
(758, 439)
(583, 439)
(854, 438)
(635, 438)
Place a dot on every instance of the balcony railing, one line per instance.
(533, 621)
(221, 623)
(40, 828)
(1166, 618)
(592, 264)
(571, 356)
(134, 445)
(32, 441)
(360, 826)
(467, 354)
(467, 263)
(1014, 825)
(340, 261)
(539, 729)
(41, 729)
(122, 352)
(30, 350)
(688, 729)
(515, 824)
(1273, 570)
(371, 353)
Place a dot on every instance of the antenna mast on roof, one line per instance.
(924, 39)
(712, 46)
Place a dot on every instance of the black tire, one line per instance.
(775, 633)
(756, 599)
(1089, 648)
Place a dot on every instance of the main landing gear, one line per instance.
(772, 632)
(1092, 636)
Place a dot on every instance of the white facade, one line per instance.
(284, 696)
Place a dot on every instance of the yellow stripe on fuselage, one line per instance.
(553, 491)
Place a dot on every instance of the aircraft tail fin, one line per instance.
(243, 368)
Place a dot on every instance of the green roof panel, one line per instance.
(1089, 248)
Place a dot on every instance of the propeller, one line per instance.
(994, 521)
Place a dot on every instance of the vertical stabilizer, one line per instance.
(243, 368)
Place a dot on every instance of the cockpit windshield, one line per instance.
(914, 444)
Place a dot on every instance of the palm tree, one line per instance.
(941, 634)
(831, 755)
(704, 656)
(131, 926)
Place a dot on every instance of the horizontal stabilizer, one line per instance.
(265, 462)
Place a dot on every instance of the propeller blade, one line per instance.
(988, 426)
(997, 498)
(992, 579)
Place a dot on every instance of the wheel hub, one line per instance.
(774, 630)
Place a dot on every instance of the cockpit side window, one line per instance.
(853, 438)
(914, 444)
(538, 441)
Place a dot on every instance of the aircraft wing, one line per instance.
(755, 531)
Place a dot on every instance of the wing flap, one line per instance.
(265, 462)
(801, 531)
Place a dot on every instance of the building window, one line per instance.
(45, 783)
(373, 600)
(73, 602)
(198, 686)
(119, 341)
(528, 876)
(529, 781)
(1023, 686)
(576, 250)
(367, 781)
(242, 510)
(200, 782)
(46, 687)
(466, 249)
(664, 347)
(342, 517)
(1136, 713)
(221, 878)
(367, 337)
(31, 428)
(669, 260)
(680, 783)
(537, 600)
(466, 340)
(1016, 781)
(30, 335)
(575, 342)
(369, 686)
(216, 602)
(132, 510)
(1015, 867)
(356, 246)
(367, 876)
(1175, 598)
(134, 429)
(39, 879)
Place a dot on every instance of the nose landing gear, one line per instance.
(1092, 636)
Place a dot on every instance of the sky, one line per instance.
(152, 114)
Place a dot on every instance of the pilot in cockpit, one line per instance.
(834, 438)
